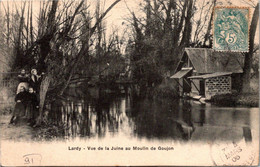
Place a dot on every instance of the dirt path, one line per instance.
(19, 132)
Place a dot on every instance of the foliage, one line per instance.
(249, 99)
(249, 55)
(166, 90)
(161, 34)
(61, 36)
(225, 99)
(6, 59)
(49, 132)
(235, 99)
(65, 37)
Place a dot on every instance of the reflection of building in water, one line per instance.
(198, 114)
(179, 119)
(212, 120)
(184, 119)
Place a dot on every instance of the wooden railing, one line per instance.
(9, 80)
(8, 75)
(8, 83)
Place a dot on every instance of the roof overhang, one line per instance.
(182, 73)
(216, 74)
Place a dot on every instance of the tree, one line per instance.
(83, 49)
(249, 56)
(160, 36)
(208, 34)
(62, 32)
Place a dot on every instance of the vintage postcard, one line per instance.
(129, 83)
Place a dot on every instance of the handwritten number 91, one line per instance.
(27, 160)
(236, 158)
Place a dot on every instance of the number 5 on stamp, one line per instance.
(231, 29)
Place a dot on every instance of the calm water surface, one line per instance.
(89, 116)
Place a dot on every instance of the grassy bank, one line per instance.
(235, 99)
(49, 132)
(168, 89)
(249, 99)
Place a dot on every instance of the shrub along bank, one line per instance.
(234, 99)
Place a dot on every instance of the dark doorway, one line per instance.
(202, 87)
(186, 85)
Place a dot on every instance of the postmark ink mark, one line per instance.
(231, 29)
(234, 152)
(32, 159)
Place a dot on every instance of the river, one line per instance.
(119, 128)
(89, 116)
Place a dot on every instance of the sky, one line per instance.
(114, 18)
(117, 15)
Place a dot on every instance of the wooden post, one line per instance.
(195, 86)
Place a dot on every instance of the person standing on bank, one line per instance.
(19, 109)
(23, 81)
(32, 106)
(34, 81)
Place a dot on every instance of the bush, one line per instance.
(254, 84)
(166, 90)
(249, 99)
(225, 99)
(234, 99)
(49, 132)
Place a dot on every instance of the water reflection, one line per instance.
(115, 115)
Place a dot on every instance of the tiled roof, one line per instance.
(206, 60)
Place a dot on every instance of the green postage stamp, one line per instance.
(231, 29)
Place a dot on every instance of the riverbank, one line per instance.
(235, 99)
(167, 89)
(23, 132)
(19, 132)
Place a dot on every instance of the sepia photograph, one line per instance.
(129, 82)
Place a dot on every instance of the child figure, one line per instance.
(32, 106)
(23, 81)
(19, 108)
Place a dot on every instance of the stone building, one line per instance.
(204, 72)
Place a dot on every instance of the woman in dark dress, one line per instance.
(19, 109)
(23, 81)
(32, 106)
